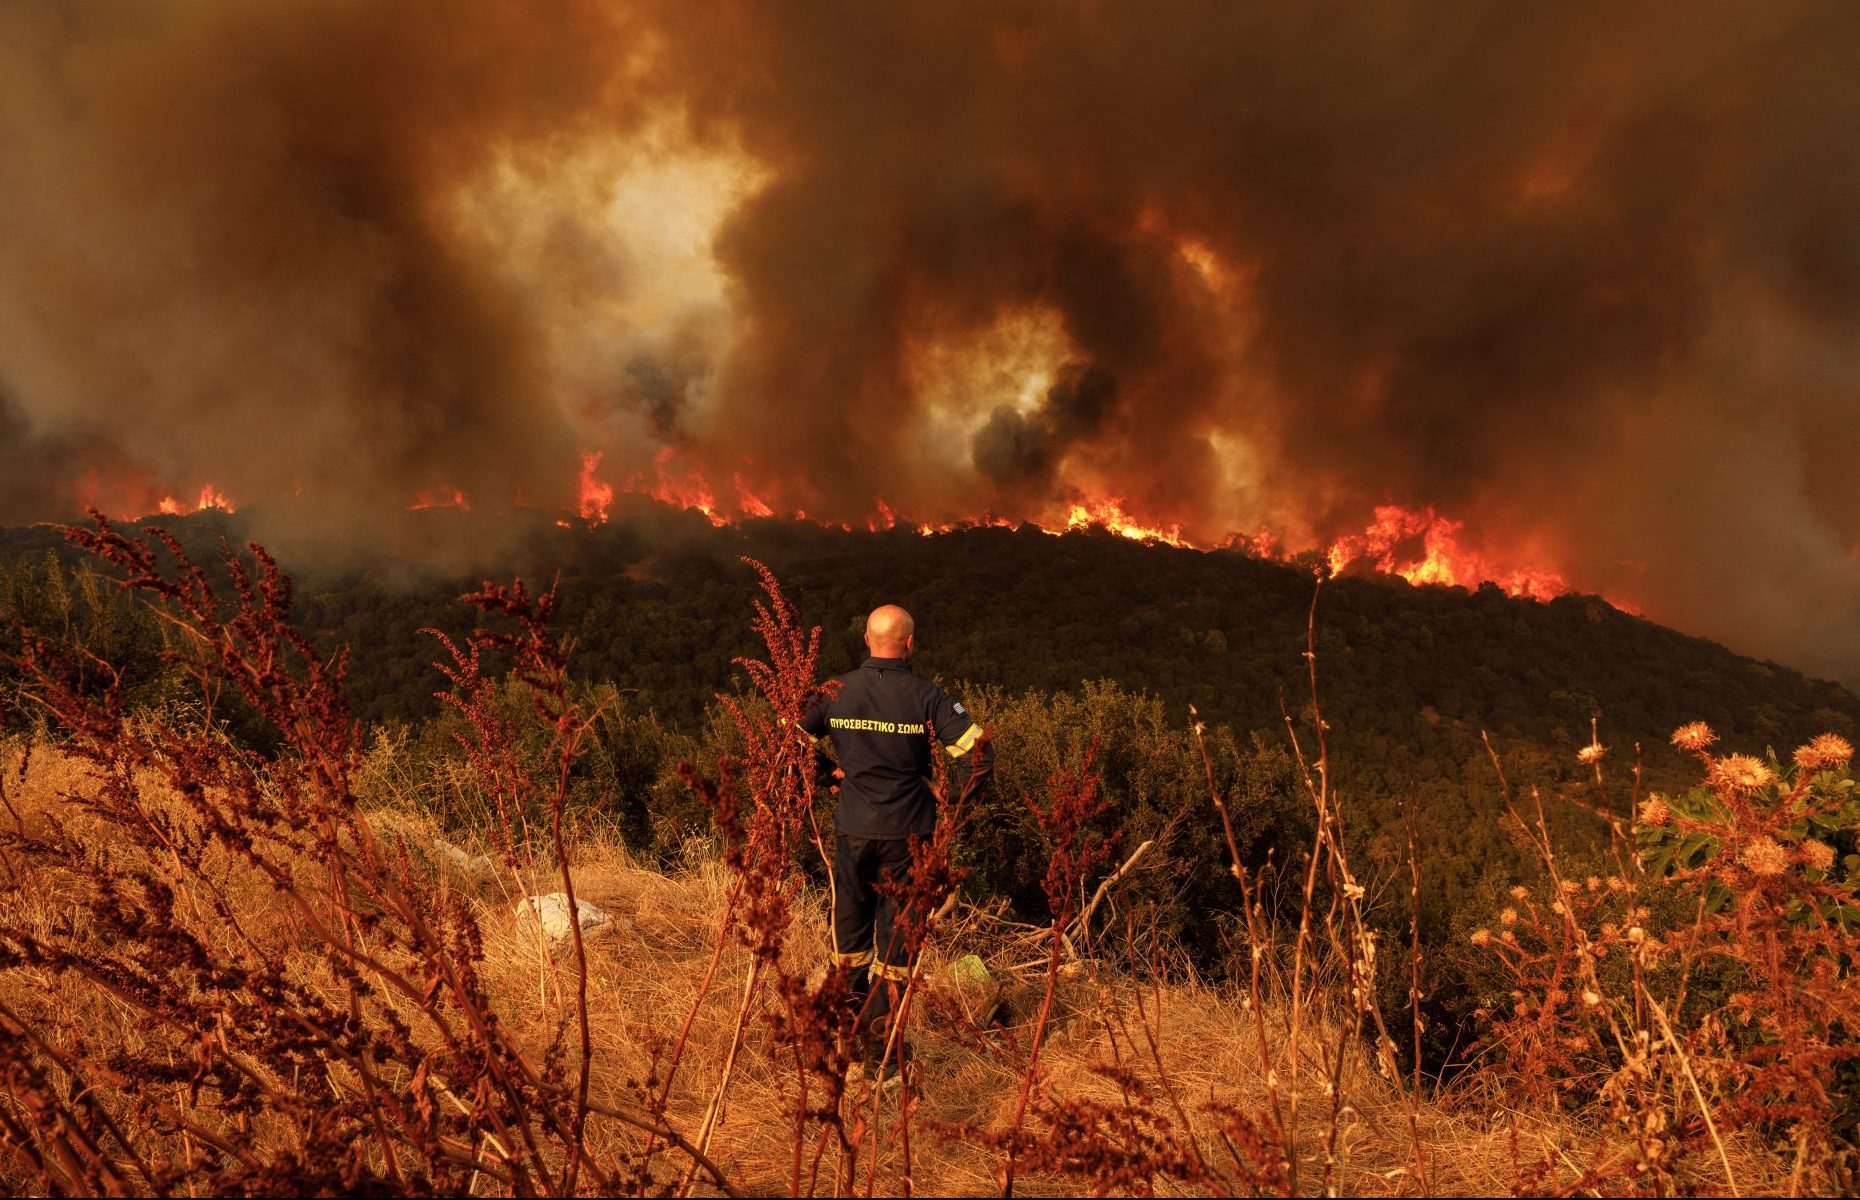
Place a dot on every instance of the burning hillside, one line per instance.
(1552, 297)
(1420, 546)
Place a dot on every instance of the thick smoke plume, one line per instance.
(246, 245)
(1583, 276)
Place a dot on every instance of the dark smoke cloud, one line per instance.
(234, 249)
(1020, 452)
(661, 392)
(1586, 276)
(32, 461)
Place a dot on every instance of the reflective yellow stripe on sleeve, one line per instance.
(860, 958)
(965, 743)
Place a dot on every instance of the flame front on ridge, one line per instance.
(1418, 544)
(210, 497)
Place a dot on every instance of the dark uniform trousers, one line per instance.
(867, 936)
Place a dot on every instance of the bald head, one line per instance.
(888, 632)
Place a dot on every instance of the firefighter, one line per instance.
(880, 723)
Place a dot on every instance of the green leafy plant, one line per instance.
(1787, 829)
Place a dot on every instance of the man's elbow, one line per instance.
(976, 751)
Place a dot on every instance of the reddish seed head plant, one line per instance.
(241, 987)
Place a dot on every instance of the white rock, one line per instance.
(478, 866)
(552, 911)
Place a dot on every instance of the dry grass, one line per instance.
(644, 969)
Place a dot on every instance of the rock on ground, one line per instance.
(552, 911)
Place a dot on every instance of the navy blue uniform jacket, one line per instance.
(880, 725)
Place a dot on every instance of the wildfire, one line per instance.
(679, 485)
(1109, 514)
(748, 502)
(1388, 543)
(210, 497)
(1417, 544)
(596, 497)
(423, 500)
(985, 521)
(1263, 544)
(130, 496)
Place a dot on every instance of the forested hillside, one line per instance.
(655, 603)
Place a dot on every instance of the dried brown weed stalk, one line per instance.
(217, 978)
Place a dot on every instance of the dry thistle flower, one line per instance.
(1740, 773)
(1481, 937)
(1509, 916)
(1520, 892)
(1817, 854)
(1591, 754)
(1694, 737)
(1764, 857)
(1654, 812)
(1827, 751)
(1591, 998)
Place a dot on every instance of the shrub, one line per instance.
(1706, 986)
(1154, 786)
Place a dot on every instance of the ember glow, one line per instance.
(440, 498)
